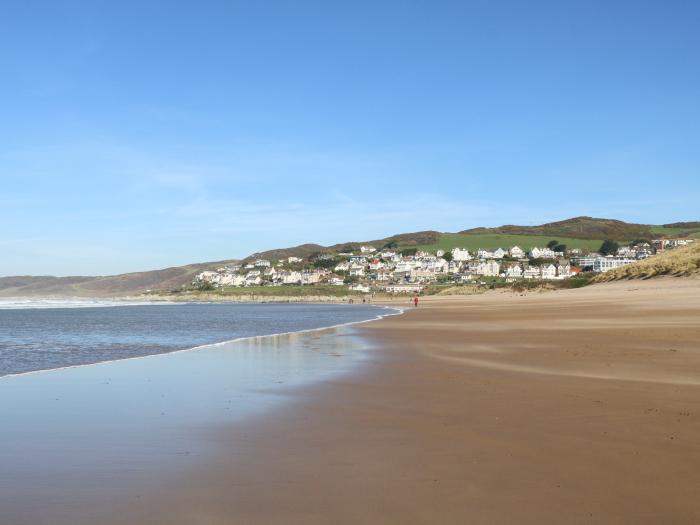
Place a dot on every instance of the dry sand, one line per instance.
(579, 406)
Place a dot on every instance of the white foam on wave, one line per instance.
(27, 303)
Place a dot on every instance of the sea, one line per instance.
(50, 334)
(102, 401)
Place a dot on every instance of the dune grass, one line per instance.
(679, 262)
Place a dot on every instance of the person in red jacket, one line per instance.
(415, 302)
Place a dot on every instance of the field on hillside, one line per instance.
(473, 242)
(666, 231)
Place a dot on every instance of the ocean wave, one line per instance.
(23, 303)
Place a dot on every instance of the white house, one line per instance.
(500, 253)
(564, 271)
(459, 254)
(603, 264)
(548, 271)
(403, 288)
(545, 253)
(357, 270)
(367, 249)
(488, 268)
(262, 263)
(531, 272)
(310, 277)
(359, 288)
(290, 277)
(342, 267)
(514, 271)
(292, 260)
(207, 276)
(232, 279)
(484, 254)
(517, 252)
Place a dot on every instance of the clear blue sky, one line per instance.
(138, 135)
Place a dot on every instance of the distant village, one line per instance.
(388, 269)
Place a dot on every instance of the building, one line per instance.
(514, 271)
(604, 264)
(531, 272)
(517, 252)
(488, 268)
(403, 288)
(548, 271)
(459, 254)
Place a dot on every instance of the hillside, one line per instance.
(677, 263)
(103, 286)
(577, 227)
(306, 250)
(586, 233)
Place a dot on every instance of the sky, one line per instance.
(141, 135)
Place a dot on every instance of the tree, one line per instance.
(324, 263)
(447, 256)
(390, 245)
(351, 279)
(348, 248)
(560, 248)
(608, 247)
(409, 251)
(551, 244)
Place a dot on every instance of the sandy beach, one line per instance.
(579, 406)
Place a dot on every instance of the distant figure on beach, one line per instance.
(415, 302)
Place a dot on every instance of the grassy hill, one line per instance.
(586, 233)
(489, 241)
(576, 228)
(680, 262)
(103, 286)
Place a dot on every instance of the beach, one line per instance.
(574, 406)
(577, 406)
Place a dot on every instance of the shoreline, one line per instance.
(204, 347)
(428, 434)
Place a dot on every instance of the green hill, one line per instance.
(586, 233)
(576, 228)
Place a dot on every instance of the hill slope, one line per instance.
(103, 286)
(680, 262)
(577, 227)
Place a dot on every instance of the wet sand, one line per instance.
(579, 406)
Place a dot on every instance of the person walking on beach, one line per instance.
(415, 302)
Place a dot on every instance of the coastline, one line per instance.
(70, 460)
(431, 432)
(571, 407)
(202, 347)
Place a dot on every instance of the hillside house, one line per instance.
(459, 254)
(516, 252)
(514, 271)
(488, 268)
(531, 272)
(604, 264)
(548, 271)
